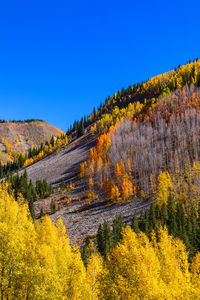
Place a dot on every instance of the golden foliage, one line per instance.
(139, 269)
(37, 262)
(48, 149)
(164, 188)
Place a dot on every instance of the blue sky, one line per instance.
(59, 59)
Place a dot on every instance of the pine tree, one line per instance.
(134, 224)
(100, 240)
(63, 185)
(107, 238)
(172, 225)
(41, 212)
(118, 225)
(52, 142)
(31, 208)
(81, 129)
(157, 212)
(146, 223)
(142, 222)
(53, 207)
(164, 214)
(94, 113)
(194, 236)
(152, 218)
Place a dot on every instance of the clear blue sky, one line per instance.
(59, 59)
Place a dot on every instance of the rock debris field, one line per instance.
(78, 221)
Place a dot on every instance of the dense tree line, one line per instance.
(105, 240)
(128, 159)
(10, 167)
(34, 154)
(21, 184)
(37, 261)
(173, 216)
(20, 121)
(145, 93)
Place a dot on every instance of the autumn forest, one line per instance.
(145, 149)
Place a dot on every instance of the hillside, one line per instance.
(79, 220)
(132, 152)
(18, 137)
(135, 161)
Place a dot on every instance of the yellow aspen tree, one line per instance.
(132, 270)
(134, 191)
(127, 189)
(16, 234)
(140, 269)
(195, 273)
(107, 187)
(28, 162)
(91, 155)
(46, 149)
(94, 129)
(173, 259)
(122, 169)
(117, 174)
(90, 183)
(152, 183)
(83, 167)
(179, 82)
(102, 146)
(129, 169)
(94, 269)
(36, 262)
(50, 150)
(164, 187)
(99, 164)
(66, 141)
(91, 168)
(115, 194)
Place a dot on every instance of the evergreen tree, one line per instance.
(31, 208)
(107, 238)
(142, 222)
(63, 185)
(41, 212)
(164, 215)
(152, 218)
(118, 225)
(53, 207)
(180, 220)
(146, 223)
(100, 240)
(85, 121)
(134, 224)
(172, 225)
(94, 113)
(52, 142)
(194, 236)
(157, 212)
(81, 128)
(85, 251)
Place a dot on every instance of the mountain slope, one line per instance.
(18, 137)
(79, 220)
(142, 155)
(63, 165)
